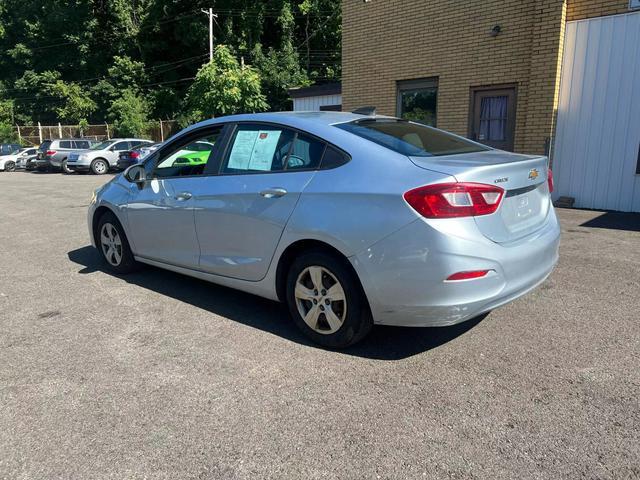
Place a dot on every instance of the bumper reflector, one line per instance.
(467, 275)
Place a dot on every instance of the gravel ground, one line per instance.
(157, 375)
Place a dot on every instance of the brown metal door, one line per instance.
(493, 117)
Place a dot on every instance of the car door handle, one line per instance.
(273, 192)
(182, 196)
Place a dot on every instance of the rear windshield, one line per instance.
(44, 145)
(411, 139)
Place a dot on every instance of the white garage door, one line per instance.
(596, 156)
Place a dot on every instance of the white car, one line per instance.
(102, 157)
(17, 159)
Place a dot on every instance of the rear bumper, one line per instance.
(404, 274)
(124, 164)
(41, 163)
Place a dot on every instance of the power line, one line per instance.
(177, 64)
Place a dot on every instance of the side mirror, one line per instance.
(136, 174)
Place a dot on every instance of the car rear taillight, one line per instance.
(550, 179)
(50, 152)
(450, 200)
(134, 154)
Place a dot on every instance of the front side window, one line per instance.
(417, 100)
(120, 146)
(102, 145)
(189, 158)
(258, 148)
(410, 138)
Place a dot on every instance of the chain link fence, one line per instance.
(159, 131)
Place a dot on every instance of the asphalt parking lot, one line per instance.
(157, 375)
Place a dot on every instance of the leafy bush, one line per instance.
(129, 114)
(224, 87)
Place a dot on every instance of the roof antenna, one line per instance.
(371, 111)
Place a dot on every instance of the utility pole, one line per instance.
(211, 16)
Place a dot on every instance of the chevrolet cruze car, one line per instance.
(349, 219)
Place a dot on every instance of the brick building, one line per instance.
(488, 70)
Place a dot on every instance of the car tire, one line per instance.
(326, 301)
(113, 245)
(9, 166)
(65, 169)
(99, 166)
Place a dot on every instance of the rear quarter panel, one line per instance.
(353, 206)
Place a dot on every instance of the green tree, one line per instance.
(224, 87)
(7, 132)
(279, 70)
(129, 114)
(77, 105)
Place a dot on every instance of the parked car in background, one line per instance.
(32, 163)
(100, 158)
(9, 148)
(349, 219)
(131, 157)
(8, 161)
(25, 155)
(17, 159)
(53, 154)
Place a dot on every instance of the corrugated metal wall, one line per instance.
(598, 132)
(307, 104)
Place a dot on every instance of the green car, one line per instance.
(196, 153)
(194, 158)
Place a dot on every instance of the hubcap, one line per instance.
(111, 244)
(320, 300)
(10, 166)
(100, 167)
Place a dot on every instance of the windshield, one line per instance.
(411, 139)
(102, 145)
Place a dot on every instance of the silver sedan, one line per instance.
(349, 219)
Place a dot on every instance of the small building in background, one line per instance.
(323, 97)
(555, 77)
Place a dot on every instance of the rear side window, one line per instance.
(410, 138)
(305, 153)
(65, 144)
(333, 158)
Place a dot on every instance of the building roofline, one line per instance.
(334, 88)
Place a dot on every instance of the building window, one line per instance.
(417, 100)
(493, 118)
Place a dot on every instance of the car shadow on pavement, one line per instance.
(615, 221)
(383, 343)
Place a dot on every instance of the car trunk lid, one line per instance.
(526, 201)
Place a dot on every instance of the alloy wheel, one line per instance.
(111, 244)
(320, 300)
(10, 166)
(100, 167)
